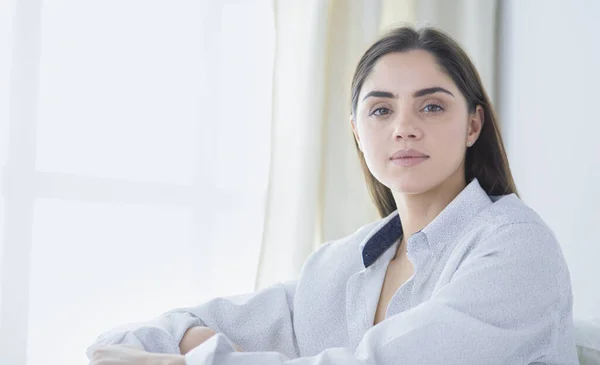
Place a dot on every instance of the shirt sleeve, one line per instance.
(261, 321)
(508, 302)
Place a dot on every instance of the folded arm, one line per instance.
(256, 322)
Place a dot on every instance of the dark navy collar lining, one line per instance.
(382, 240)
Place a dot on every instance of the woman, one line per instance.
(457, 271)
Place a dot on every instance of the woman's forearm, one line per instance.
(195, 336)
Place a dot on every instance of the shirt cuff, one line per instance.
(210, 350)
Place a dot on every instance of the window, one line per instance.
(151, 143)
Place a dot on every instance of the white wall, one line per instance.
(549, 104)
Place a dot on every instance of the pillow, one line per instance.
(587, 340)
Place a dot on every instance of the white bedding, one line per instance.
(587, 339)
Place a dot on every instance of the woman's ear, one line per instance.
(355, 132)
(476, 120)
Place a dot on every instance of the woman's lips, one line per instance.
(409, 161)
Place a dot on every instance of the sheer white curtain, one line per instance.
(134, 145)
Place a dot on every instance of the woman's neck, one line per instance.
(418, 210)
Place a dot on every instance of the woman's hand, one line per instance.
(195, 336)
(132, 355)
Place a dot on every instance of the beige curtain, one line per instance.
(474, 24)
(296, 134)
(318, 43)
(316, 188)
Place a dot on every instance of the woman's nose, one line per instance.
(405, 128)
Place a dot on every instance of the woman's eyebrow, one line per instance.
(380, 94)
(416, 94)
(430, 90)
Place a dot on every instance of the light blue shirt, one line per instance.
(490, 286)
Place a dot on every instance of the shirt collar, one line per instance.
(441, 231)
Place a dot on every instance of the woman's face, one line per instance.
(406, 103)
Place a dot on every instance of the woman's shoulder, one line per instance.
(509, 224)
(508, 211)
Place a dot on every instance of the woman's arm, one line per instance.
(260, 321)
(194, 337)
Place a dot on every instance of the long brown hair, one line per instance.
(486, 160)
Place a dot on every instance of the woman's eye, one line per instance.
(381, 111)
(432, 108)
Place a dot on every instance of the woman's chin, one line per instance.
(409, 188)
(410, 181)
